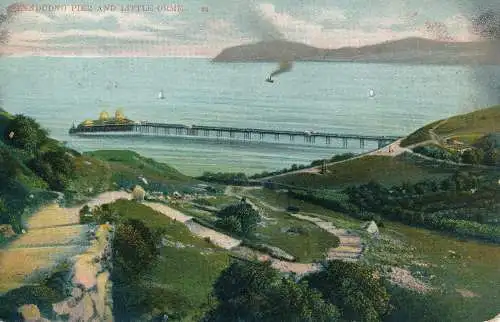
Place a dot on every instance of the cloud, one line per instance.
(347, 23)
(487, 24)
(437, 30)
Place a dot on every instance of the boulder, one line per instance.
(7, 231)
(371, 227)
(29, 312)
(77, 293)
(138, 193)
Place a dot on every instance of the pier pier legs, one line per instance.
(344, 143)
(361, 143)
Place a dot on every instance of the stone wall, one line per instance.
(90, 298)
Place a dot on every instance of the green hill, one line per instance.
(467, 126)
(34, 168)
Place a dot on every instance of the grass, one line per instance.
(384, 169)
(482, 121)
(469, 138)
(280, 199)
(466, 126)
(128, 165)
(189, 210)
(221, 201)
(308, 244)
(476, 268)
(182, 277)
(92, 176)
(420, 135)
(185, 277)
(311, 242)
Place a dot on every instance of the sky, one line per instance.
(203, 28)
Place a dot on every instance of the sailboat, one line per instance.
(160, 95)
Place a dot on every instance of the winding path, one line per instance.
(350, 247)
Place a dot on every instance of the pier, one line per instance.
(245, 134)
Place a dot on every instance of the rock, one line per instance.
(6, 231)
(138, 193)
(77, 293)
(277, 252)
(29, 312)
(371, 227)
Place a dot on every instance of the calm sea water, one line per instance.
(329, 97)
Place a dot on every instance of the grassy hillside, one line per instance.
(384, 169)
(453, 266)
(482, 122)
(130, 164)
(31, 162)
(420, 135)
(181, 278)
(465, 126)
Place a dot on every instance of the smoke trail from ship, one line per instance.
(254, 21)
(284, 67)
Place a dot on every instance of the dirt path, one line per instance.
(350, 247)
(219, 239)
(53, 234)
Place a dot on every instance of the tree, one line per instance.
(26, 133)
(472, 156)
(354, 288)
(8, 165)
(409, 305)
(491, 157)
(256, 292)
(247, 217)
(231, 224)
(134, 248)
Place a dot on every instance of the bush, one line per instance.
(55, 167)
(225, 178)
(353, 288)
(239, 217)
(257, 292)
(134, 249)
(472, 156)
(27, 134)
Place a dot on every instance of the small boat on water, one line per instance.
(160, 95)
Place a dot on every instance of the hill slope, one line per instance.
(408, 50)
(30, 174)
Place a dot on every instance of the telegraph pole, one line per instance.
(323, 167)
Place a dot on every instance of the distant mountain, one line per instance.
(408, 50)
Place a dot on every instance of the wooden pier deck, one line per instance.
(246, 134)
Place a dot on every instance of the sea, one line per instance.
(344, 98)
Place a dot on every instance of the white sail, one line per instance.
(160, 95)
